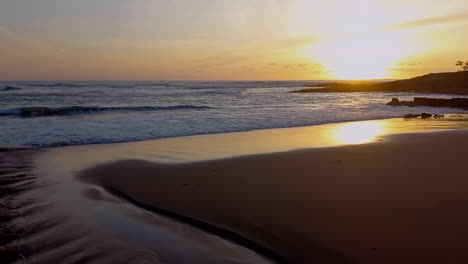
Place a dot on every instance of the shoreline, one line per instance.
(225, 145)
(14, 148)
(191, 189)
(20, 147)
(240, 147)
(455, 83)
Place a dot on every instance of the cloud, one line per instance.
(427, 22)
(218, 61)
(240, 53)
(296, 68)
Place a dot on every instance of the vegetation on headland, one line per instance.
(439, 83)
(463, 65)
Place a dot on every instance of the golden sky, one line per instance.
(230, 40)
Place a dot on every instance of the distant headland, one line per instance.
(438, 83)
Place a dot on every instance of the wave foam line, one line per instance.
(78, 110)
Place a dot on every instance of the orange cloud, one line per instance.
(427, 22)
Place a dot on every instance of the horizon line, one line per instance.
(205, 80)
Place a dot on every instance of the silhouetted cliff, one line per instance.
(443, 83)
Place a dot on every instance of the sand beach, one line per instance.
(397, 201)
(381, 191)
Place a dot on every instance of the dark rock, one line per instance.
(433, 102)
(422, 116)
(394, 102)
(410, 116)
(425, 115)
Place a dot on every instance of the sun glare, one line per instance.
(357, 132)
(353, 43)
(369, 56)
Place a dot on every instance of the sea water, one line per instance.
(48, 114)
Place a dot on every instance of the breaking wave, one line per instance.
(8, 88)
(70, 85)
(79, 110)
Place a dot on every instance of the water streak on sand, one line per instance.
(46, 218)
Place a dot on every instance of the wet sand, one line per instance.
(15, 179)
(32, 230)
(400, 200)
(331, 204)
(52, 218)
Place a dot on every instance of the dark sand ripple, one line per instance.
(15, 179)
(39, 227)
(32, 230)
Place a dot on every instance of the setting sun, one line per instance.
(232, 40)
(368, 56)
(357, 46)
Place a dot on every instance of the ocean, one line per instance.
(50, 114)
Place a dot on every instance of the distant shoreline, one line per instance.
(435, 83)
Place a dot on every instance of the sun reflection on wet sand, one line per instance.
(217, 146)
(358, 132)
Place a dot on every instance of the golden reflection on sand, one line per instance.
(358, 132)
(217, 146)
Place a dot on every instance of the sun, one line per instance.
(366, 56)
(354, 43)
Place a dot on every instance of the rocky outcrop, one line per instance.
(434, 102)
(422, 116)
(394, 102)
(425, 115)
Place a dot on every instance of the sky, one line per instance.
(230, 40)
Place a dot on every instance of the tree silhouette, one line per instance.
(463, 65)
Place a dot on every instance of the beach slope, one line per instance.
(402, 200)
